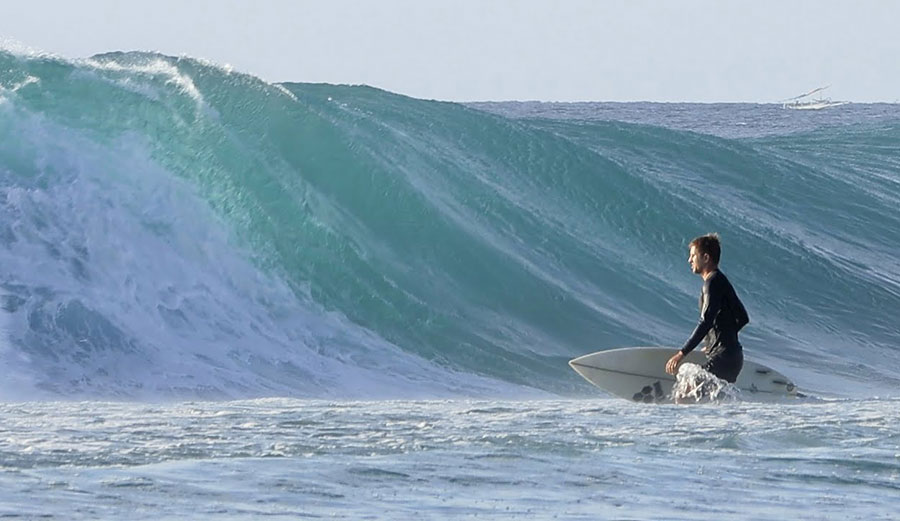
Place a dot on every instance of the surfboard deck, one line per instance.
(639, 374)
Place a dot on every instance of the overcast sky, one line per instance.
(466, 50)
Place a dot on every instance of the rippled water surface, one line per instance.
(571, 459)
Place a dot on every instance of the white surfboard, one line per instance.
(639, 374)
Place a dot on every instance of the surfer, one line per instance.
(722, 314)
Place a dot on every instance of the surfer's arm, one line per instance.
(740, 313)
(711, 308)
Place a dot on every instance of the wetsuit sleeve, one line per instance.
(715, 295)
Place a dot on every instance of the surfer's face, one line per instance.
(697, 260)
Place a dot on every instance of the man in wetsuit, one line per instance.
(722, 314)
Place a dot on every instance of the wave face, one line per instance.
(172, 228)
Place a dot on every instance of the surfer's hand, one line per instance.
(672, 364)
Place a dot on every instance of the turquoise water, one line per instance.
(173, 229)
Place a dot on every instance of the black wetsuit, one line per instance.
(722, 315)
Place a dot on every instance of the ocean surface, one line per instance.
(225, 298)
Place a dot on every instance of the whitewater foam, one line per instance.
(693, 384)
(144, 293)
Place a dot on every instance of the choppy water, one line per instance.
(571, 459)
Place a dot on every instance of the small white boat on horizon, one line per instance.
(803, 102)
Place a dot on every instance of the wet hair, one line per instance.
(709, 243)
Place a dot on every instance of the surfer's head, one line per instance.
(705, 253)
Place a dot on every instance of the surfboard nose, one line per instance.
(577, 365)
(575, 361)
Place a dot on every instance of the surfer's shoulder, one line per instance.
(717, 277)
(716, 281)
